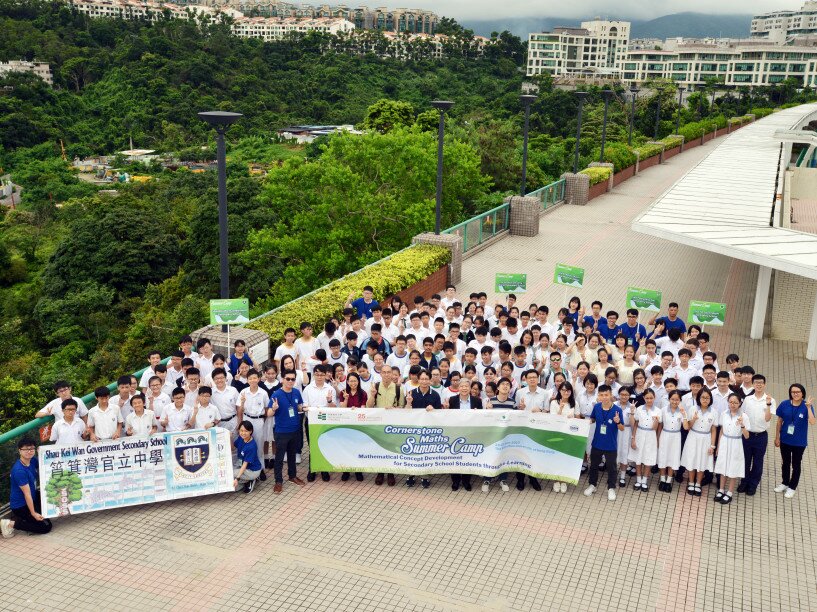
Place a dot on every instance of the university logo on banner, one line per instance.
(191, 456)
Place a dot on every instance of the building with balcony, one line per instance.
(597, 47)
(41, 69)
(779, 25)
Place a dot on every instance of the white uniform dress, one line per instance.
(646, 439)
(669, 444)
(696, 450)
(584, 406)
(255, 408)
(730, 462)
(625, 435)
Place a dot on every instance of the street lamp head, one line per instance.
(681, 89)
(442, 105)
(218, 119)
(527, 99)
(606, 93)
(581, 95)
(633, 89)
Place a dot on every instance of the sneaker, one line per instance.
(590, 490)
(485, 487)
(611, 495)
(781, 488)
(249, 487)
(556, 487)
(563, 487)
(790, 493)
(504, 486)
(425, 482)
(410, 481)
(6, 529)
(297, 457)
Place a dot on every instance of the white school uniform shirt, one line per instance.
(647, 363)
(64, 433)
(445, 302)
(671, 421)
(205, 366)
(255, 404)
(518, 371)
(343, 359)
(585, 402)
(171, 381)
(226, 401)
(160, 404)
(644, 417)
(665, 344)
(54, 407)
(697, 361)
(755, 409)
(123, 405)
(549, 329)
(682, 375)
(394, 360)
(146, 376)
(283, 350)
(190, 396)
(104, 421)
(324, 339)
(720, 402)
(305, 349)
(660, 394)
(538, 398)
(141, 425)
(567, 411)
(706, 418)
(207, 414)
(315, 397)
(208, 382)
(689, 402)
(177, 419)
(512, 338)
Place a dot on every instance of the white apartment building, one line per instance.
(41, 69)
(754, 65)
(276, 28)
(779, 25)
(597, 47)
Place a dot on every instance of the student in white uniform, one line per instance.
(104, 420)
(70, 429)
(730, 463)
(252, 407)
(225, 398)
(54, 407)
(154, 358)
(624, 435)
(122, 399)
(644, 440)
(669, 440)
(205, 414)
(585, 401)
(157, 401)
(178, 416)
(140, 422)
(699, 449)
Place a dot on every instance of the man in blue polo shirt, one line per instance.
(23, 498)
(608, 421)
(609, 328)
(671, 321)
(423, 397)
(632, 329)
(363, 305)
(287, 404)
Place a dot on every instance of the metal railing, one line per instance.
(478, 230)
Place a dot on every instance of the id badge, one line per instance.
(603, 430)
(291, 412)
(790, 430)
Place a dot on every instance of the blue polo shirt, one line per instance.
(235, 362)
(631, 332)
(424, 400)
(676, 324)
(247, 451)
(589, 320)
(362, 308)
(22, 476)
(286, 422)
(608, 441)
(608, 334)
(790, 415)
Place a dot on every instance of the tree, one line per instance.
(62, 489)
(19, 402)
(385, 115)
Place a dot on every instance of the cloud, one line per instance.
(623, 9)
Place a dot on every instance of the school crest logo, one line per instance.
(192, 452)
(321, 416)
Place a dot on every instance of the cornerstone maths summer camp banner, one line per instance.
(129, 471)
(482, 442)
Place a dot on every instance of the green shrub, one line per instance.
(618, 154)
(386, 277)
(761, 112)
(647, 150)
(597, 174)
(671, 141)
(693, 131)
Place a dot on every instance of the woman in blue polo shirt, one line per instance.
(793, 418)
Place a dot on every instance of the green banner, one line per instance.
(481, 442)
(707, 313)
(643, 299)
(568, 276)
(510, 283)
(229, 312)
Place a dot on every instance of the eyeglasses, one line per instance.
(289, 379)
(28, 449)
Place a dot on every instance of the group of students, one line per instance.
(657, 401)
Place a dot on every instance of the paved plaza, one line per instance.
(355, 546)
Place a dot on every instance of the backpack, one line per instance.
(396, 395)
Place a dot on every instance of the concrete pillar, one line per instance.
(663, 146)
(764, 277)
(257, 341)
(605, 165)
(637, 161)
(811, 349)
(577, 188)
(524, 215)
(451, 241)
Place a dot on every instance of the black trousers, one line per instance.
(285, 444)
(25, 522)
(792, 460)
(610, 466)
(465, 479)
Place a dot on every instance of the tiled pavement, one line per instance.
(354, 546)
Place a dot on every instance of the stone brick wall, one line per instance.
(524, 215)
(625, 174)
(793, 300)
(453, 243)
(597, 190)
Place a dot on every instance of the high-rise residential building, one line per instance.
(597, 47)
(41, 69)
(779, 25)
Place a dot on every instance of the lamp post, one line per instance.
(442, 106)
(606, 93)
(581, 95)
(701, 89)
(220, 121)
(633, 95)
(680, 103)
(526, 100)
(657, 114)
(712, 104)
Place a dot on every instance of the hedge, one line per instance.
(618, 154)
(671, 141)
(761, 112)
(386, 277)
(647, 150)
(597, 174)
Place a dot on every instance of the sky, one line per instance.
(637, 9)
